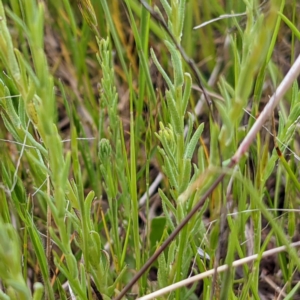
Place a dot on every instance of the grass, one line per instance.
(139, 155)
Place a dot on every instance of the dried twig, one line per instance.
(219, 269)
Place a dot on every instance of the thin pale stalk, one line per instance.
(220, 269)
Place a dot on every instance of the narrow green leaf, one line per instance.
(189, 151)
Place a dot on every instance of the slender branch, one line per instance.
(186, 58)
(153, 258)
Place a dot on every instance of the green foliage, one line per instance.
(98, 98)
